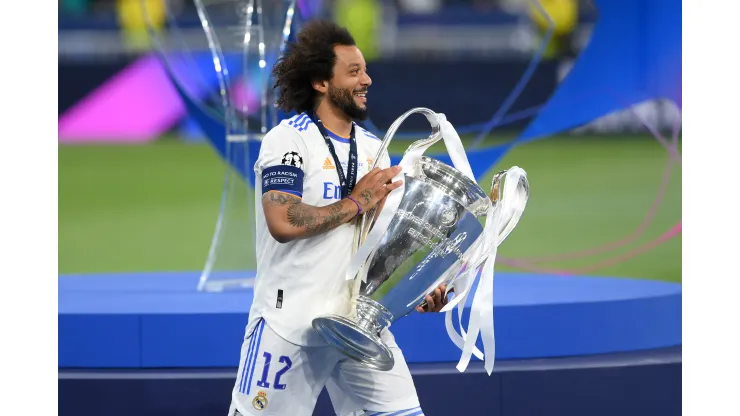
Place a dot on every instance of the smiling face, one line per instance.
(347, 90)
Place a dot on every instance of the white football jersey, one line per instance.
(303, 279)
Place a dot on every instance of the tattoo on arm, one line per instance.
(316, 220)
(278, 198)
(300, 215)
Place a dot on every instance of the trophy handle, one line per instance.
(454, 146)
(367, 219)
(511, 222)
(507, 224)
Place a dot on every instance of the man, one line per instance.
(313, 179)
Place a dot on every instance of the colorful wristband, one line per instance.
(359, 208)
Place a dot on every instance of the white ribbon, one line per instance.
(511, 205)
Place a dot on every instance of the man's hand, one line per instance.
(435, 303)
(374, 186)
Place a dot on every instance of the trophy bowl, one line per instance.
(437, 222)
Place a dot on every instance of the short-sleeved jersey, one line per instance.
(303, 279)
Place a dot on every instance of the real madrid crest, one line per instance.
(260, 401)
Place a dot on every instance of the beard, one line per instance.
(345, 101)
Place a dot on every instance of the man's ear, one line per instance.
(321, 86)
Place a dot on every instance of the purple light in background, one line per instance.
(139, 104)
(309, 8)
(136, 105)
(244, 96)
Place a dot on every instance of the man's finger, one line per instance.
(376, 170)
(437, 297)
(393, 186)
(390, 173)
(445, 293)
(430, 303)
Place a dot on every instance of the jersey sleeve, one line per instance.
(282, 162)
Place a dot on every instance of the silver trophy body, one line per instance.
(430, 239)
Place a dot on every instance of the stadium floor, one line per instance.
(575, 346)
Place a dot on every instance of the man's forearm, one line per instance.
(290, 219)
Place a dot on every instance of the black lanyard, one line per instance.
(347, 183)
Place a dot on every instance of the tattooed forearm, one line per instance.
(288, 218)
(334, 218)
(300, 215)
(317, 220)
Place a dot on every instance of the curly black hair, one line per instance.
(311, 58)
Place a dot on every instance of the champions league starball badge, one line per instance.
(292, 159)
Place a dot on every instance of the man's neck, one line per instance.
(334, 119)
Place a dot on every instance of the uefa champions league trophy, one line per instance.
(221, 69)
(429, 232)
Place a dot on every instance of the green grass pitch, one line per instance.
(154, 207)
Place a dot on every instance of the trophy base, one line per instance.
(354, 341)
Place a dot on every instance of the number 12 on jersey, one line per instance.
(262, 382)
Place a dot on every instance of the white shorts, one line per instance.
(276, 377)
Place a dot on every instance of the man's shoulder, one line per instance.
(299, 123)
(296, 128)
(283, 132)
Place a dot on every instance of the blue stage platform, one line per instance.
(158, 320)
(644, 383)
